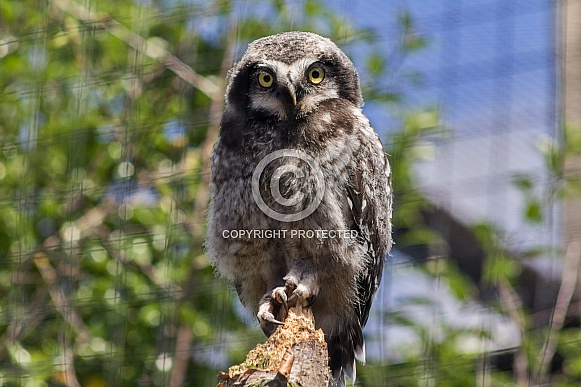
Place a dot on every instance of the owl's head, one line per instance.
(286, 76)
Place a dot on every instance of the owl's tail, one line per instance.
(343, 350)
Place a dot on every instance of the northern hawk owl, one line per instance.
(301, 194)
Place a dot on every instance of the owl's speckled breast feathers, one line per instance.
(296, 156)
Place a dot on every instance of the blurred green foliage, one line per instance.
(100, 167)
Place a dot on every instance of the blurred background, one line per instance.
(108, 113)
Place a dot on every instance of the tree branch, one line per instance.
(59, 300)
(150, 47)
(568, 283)
(512, 304)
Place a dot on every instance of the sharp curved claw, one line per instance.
(279, 295)
(272, 320)
(269, 313)
(311, 300)
(292, 297)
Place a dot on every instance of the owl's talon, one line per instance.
(268, 322)
(279, 294)
(293, 297)
(303, 293)
(311, 301)
(271, 319)
(291, 281)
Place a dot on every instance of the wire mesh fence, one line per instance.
(108, 113)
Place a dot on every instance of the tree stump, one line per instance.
(295, 355)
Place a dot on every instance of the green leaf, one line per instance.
(534, 211)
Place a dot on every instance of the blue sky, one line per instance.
(486, 62)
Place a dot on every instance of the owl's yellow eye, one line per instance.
(316, 75)
(265, 79)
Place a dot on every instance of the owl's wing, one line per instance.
(369, 198)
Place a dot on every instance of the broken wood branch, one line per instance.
(296, 354)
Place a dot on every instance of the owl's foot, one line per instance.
(268, 308)
(303, 289)
(298, 290)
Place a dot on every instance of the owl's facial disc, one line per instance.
(289, 91)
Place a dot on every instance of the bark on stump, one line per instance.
(295, 355)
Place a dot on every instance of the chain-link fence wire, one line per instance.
(108, 111)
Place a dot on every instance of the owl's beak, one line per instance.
(292, 93)
(293, 97)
